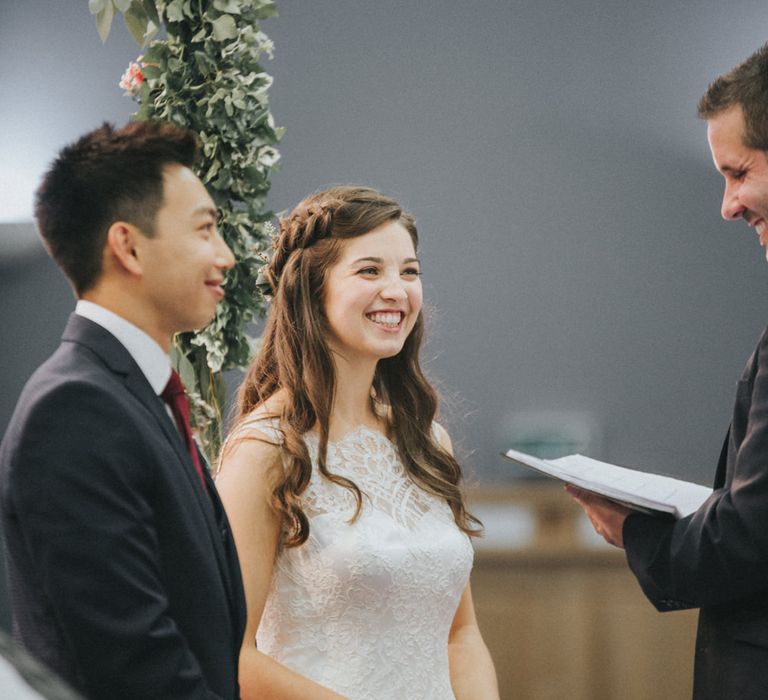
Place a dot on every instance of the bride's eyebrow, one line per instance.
(380, 261)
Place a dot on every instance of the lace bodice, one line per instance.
(365, 608)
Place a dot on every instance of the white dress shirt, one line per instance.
(152, 360)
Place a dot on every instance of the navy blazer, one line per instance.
(717, 558)
(123, 574)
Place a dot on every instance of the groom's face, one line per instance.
(184, 262)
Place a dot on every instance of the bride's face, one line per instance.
(373, 294)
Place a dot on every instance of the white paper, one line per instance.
(637, 489)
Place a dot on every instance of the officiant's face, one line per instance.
(744, 169)
(185, 260)
(373, 294)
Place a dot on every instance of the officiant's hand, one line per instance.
(606, 516)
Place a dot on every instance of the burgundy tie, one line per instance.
(175, 396)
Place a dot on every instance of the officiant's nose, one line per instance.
(731, 208)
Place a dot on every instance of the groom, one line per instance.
(123, 574)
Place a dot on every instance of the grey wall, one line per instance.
(574, 258)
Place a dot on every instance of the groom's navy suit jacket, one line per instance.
(717, 558)
(122, 571)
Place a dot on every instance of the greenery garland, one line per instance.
(205, 75)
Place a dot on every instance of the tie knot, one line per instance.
(174, 387)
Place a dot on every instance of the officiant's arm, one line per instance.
(245, 482)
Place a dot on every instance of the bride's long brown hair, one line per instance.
(295, 358)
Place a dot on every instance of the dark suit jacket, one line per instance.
(123, 574)
(717, 558)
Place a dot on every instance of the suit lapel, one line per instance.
(118, 360)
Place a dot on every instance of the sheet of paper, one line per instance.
(631, 486)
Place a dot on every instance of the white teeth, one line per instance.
(760, 227)
(386, 319)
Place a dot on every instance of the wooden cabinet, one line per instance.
(563, 616)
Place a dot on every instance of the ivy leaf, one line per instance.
(264, 9)
(184, 368)
(174, 11)
(104, 20)
(150, 71)
(122, 5)
(96, 6)
(151, 9)
(224, 28)
(231, 6)
(205, 65)
(138, 23)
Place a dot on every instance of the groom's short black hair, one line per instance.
(105, 176)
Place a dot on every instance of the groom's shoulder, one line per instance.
(70, 367)
(72, 380)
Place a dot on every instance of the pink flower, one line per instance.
(133, 77)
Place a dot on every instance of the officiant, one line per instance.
(717, 558)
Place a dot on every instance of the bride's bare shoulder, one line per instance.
(255, 437)
(264, 416)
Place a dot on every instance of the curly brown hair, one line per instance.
(295, 358)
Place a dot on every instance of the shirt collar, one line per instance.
(148, 355)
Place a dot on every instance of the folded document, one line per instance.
(636, 489)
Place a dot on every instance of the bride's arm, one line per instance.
(244, 483)
(473, 676)
(472, 672)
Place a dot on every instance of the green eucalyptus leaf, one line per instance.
(96, 6)
(174, 11)
(264, 9)
(137, 22)
(150, 8)
(204, 64)
(151, 71)
(104, 21)
(231, 6)
(224, 28)
(150, 32)
(184, 367)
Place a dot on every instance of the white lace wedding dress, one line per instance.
(365, 609)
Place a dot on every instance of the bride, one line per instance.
(342, 493)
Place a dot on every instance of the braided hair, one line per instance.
(295, 358)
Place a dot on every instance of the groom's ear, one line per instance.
(122, 242)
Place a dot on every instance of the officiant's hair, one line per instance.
(107, 175)
(295, 357)
(746, 85)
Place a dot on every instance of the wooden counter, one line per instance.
(562, 614)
